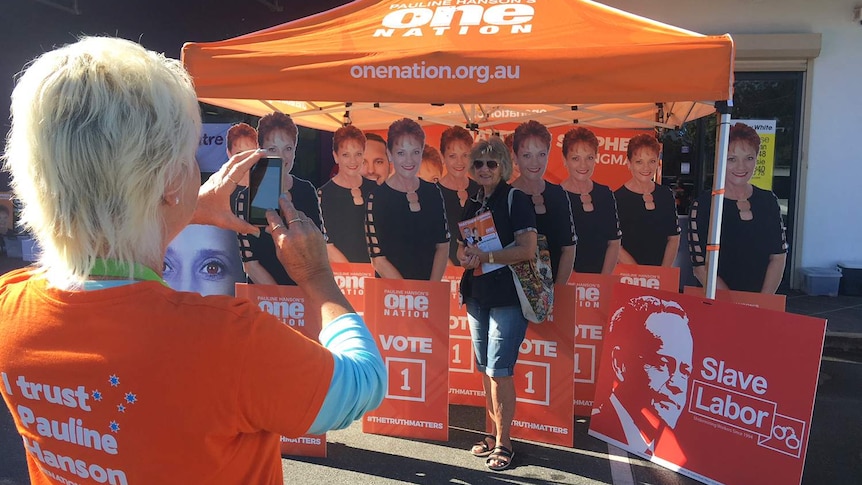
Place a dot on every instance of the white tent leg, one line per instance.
(714, 235)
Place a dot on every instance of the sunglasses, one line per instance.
(491, 164)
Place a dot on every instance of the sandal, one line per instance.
(481, 448)
(502, 455)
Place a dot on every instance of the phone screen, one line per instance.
(264, 189)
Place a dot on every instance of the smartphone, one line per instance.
(264, 189)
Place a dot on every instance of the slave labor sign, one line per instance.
(410, 323)
(287, 303)
(697, 385)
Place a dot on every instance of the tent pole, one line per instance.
(714, 236)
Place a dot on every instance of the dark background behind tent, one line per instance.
(28, 28)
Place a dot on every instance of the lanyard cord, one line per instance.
(112, 267)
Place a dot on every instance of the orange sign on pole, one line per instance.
(592, 299)
(543, 376)
(465, 383)
(757, 300)
(287, 303)
(351, 280)
(409, 320)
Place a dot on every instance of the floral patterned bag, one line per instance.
(534, 281)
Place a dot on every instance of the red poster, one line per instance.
(720, 392)
(287, 303)
(351, 280)
(465, 383)
(409, 319)
(757, 300)
(543, 376)
(592, 300)
(653, 277)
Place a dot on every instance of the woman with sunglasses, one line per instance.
(753, 249)
(497, 325)
(594, 208)
(405, 220)
(646, 209)
(531, 144)
(342, 199)
(456, 186)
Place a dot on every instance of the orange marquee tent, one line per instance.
(473, 62)
(479, 63)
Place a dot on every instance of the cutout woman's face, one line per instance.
(205, 260)
(644, 164)
(580, 161)
(741, 160)
(457, 158)
(350, 157)
(406, 156)
(279, 143)
(532, 158)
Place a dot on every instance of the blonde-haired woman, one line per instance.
(497, 324)
(101, 152)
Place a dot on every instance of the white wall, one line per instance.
(831, 220)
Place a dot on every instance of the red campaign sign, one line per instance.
(592, 300)
(465, 383)
(757, 300)
(409, 321)
(350, 278)
(653, 277)
(543, 376)
(287, 303)
(721, 392)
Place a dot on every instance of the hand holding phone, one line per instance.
(264, 189)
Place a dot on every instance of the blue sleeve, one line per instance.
(358, 375)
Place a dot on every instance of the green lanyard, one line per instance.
(112, 267)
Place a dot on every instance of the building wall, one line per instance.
(830, 224)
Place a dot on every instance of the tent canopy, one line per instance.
(468, 62)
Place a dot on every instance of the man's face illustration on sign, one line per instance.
(653, 362)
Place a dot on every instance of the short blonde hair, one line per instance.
(100, 129)
(495, 149)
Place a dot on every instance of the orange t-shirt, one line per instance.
(140, 384)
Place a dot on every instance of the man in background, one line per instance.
(377, 166)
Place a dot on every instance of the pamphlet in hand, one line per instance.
(480, 232)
